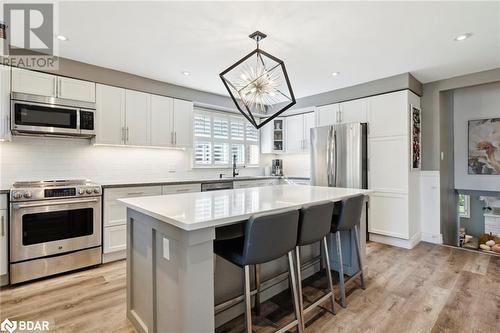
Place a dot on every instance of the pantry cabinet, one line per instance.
(43, 84)
(128, 117)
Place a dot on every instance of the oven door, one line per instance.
(49, 227)
(44, 118)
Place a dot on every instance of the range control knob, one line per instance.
(27, 194)
(17, 195)
(89, 191)
(81, 191)
(96, 190)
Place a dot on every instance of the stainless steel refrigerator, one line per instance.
(338, 155)
(339, 159)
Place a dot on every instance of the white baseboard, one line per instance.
(114, 256)
(398, 242)
(432, 238)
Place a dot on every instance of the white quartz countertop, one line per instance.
(192, 211)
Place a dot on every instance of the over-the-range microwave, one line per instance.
(42, 115)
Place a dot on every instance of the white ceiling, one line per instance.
(361, 40)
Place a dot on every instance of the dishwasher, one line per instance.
(205, 187)
(229, 231)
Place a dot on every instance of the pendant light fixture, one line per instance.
(258, 85)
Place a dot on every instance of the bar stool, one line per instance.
(314, 225)
(347, 220)
(268, 236)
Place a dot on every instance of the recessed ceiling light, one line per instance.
(186, 73)
(463, 37)
(61, 37)
(335, 73)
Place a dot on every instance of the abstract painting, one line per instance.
(416, 144)
(484, 147)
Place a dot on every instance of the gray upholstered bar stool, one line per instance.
(268, 236)
(348, 220)
(314, 225)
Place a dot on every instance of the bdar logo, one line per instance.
(8, 325)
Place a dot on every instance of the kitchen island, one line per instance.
(170, 260)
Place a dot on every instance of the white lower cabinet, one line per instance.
(4, 223)
(115, 218)
(388, 215)
(115, 238)
(115, 214)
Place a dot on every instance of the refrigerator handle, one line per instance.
(335, 159)
(330, 155)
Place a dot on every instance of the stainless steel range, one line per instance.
(55, 226)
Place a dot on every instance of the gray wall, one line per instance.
(377, 87)
(80, 70)
(478, 102)
(437, 136)
(430, 103)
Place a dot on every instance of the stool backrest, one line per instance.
(314, 222)
(269, 236)
(350, 213)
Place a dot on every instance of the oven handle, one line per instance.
(48, 203)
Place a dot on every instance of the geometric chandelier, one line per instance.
(258, 85)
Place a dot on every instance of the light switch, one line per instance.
(166, 248)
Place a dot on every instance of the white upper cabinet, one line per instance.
(4, 102)
(137, 118)
(294, 136)
(309, 122)
(183, 123)
(353, 111)
(327, 115)
(266, 138)
(76, 89)
(162, 115)
(36, 83)
(388, 114)
(110, 109)
(298, 132)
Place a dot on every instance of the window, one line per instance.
(218, 137)
(464, 205)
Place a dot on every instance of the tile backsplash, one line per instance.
(36, 158)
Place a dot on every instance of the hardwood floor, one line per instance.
(428, 289)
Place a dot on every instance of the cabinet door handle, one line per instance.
(127, 134)
(3, 226)
(135, 193)
(175, 137)
(56, 83)
(183, 190)
(172, 137)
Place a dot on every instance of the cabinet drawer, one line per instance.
(115, 213)
(183, 188)
(129, 192)
(115, 238)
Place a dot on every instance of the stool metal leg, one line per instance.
(299, 286)
(341, 271)
(329, 273)
(257, 288)
(248, 301)
(294, 292)
(358, 252)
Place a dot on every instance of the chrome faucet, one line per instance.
(235, 171)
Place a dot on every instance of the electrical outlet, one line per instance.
(166, 248)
